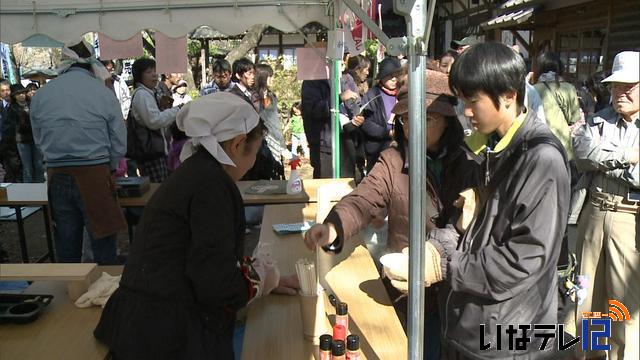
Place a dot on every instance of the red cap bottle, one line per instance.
(339, 332)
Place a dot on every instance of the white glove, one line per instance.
(99, 292)
(398, 272)
(269, 277)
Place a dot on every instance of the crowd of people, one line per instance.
(547, 170)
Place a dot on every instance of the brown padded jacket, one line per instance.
(387, 187)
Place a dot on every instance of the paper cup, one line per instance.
(313, 315)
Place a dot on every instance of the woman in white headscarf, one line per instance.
(186, 276)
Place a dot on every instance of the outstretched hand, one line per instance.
(319, 235)
(288, 285)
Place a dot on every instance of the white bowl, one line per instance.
(392, 260)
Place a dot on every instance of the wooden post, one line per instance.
(605, 47)
(206, 54)
(203, 63)
(522, 40)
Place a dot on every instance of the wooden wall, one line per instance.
(625, 27)
(618, 19)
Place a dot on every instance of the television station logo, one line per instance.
(595, 326)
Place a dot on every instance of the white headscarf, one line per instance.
(212, 119)
(99, 71)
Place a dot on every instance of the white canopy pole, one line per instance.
(416, 17)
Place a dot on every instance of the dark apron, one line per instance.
(98, 192)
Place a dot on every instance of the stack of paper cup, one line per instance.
(312, 307)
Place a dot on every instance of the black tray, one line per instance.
(21, 308)
(132, 186)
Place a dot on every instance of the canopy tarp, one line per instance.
(68, 20)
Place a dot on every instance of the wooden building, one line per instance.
(586, 33)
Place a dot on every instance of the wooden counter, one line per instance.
(63, 331)
(20, 194)
(308, 195)
(274, 325)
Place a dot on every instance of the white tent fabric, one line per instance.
(68, 20)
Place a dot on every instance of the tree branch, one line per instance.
(248, 42)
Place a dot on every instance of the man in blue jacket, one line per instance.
(77, 124)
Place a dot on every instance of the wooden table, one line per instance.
(308, 195)
(63, 331)
(22, 194)
(274, 325)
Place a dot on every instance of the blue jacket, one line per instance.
(77, 121)
(376, 133)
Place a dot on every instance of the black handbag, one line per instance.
(143, 143)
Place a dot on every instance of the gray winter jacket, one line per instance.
(599, 151)
(503, 270)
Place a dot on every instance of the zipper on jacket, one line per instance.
(446, 313)
(486, 172)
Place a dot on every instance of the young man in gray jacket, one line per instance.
(498, 282)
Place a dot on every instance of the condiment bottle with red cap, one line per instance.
(325, 347)
(339, 332)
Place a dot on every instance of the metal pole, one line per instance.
(335, 102)
(417, 175)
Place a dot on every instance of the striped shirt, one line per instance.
(602, 145)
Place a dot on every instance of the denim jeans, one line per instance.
(70, 219)
(32, 168)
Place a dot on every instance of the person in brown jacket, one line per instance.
(387, 186)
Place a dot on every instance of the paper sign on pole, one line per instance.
(350, 44)
(335, 44)
(312, 64)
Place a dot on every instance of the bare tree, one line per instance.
(20, 57)
(248, 42)
(26, 58)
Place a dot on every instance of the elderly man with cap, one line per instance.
(378, 103)
(77, 123)
(606, 148)
(186, 276)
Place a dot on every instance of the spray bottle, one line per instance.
(294, 185)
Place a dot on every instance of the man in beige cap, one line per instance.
(606, 149)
